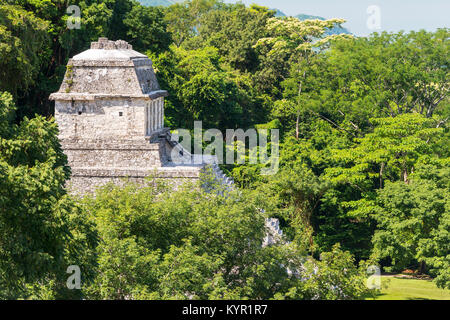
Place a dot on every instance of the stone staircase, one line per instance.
(222, 178)
(274, 233)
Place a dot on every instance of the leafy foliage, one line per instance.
(35, 212)
(147, 29)
(363, 161)
(160, 244)
(23, 47)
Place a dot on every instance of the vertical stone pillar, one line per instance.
(154, 115)
(162, 112)
(151, 116)
(157, 114)
(147, 123)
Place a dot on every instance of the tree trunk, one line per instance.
(422, 267)
(405, 175)
(297, 122)
(381, 175)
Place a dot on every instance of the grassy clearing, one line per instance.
(410, 289)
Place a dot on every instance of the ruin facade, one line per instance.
(110, 113)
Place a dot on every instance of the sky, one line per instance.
(388, 15)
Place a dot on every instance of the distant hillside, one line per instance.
(335, 30)
(279, 13)
(155, 3)
(302, 17)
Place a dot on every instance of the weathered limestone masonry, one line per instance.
(110, 113)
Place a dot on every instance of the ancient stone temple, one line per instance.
(110, 113)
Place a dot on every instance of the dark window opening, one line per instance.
(120, 114)
(79, 112)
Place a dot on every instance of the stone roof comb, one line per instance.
(105, 44)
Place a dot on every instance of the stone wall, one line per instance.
(109, 77)
(85, 181)
(102, 119)
(114, 154)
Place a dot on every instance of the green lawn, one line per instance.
(411, 289)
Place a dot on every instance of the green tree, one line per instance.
(293, 194)
(188, 244)
(34, 224)
(413, 227)
(146, 29)
(378, 76)
(398, 73)
(410, 201)
(390, 152)
(183, 18)
(203, 89)
(292, 41)
(23, 47)
(233, 30)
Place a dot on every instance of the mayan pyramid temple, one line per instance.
(110, 113)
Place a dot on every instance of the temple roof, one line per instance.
(109, 69)
(105, 49)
